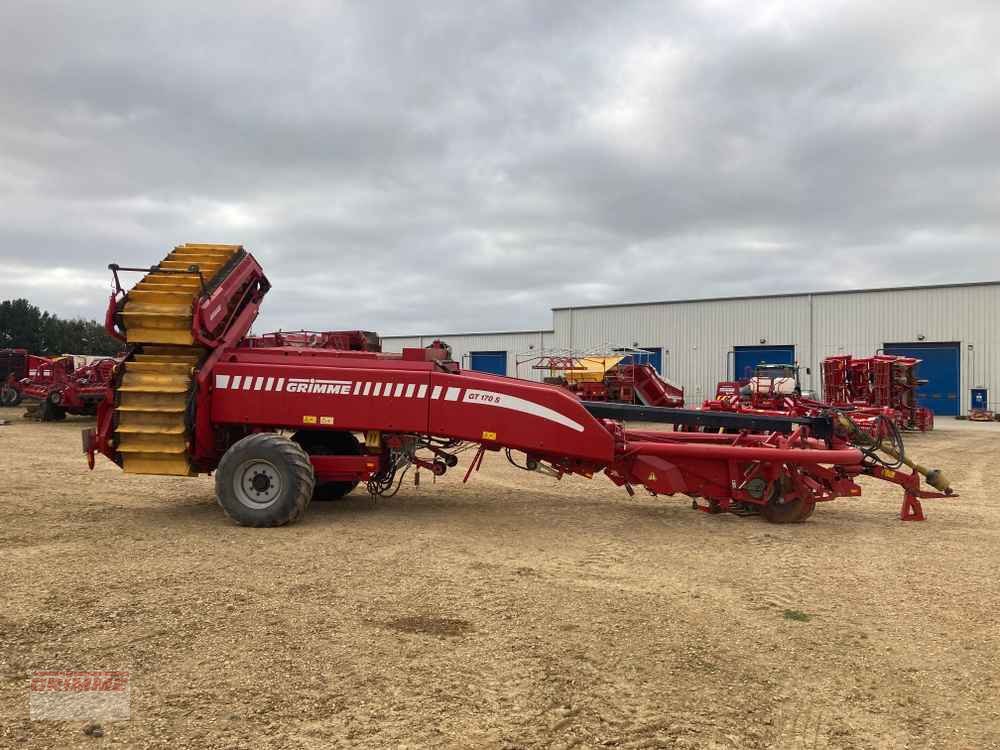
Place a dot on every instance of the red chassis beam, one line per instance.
(344, 468)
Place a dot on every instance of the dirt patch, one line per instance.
(514, 611)
(425, 625)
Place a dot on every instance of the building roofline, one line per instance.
(468, 333)
(691, 300)
(825, 292)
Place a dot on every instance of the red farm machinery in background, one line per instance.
(617, 374)
(878, 393)
(774, 389)
(55, 386)
(281, 423)
(884, 384)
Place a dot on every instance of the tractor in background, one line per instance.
(776, 389)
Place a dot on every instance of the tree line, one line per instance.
(24, 326)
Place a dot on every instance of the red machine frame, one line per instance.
(885, 383)
(59, 388)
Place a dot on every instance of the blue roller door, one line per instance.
(940, 368)
(494, 362)
(746, 358)
(653, 356)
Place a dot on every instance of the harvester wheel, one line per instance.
(264, 480)
(329, 443)
(9, 396)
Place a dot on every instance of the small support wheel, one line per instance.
(780, 510)
(794, 511)
(329, 443)
(264, 480)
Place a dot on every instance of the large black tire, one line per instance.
(9, 396)
(264, 480)
(329, 443)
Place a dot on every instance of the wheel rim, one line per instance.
(257, 484)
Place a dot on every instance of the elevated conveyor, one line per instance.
(159, 320)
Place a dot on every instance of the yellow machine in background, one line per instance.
(590, 369)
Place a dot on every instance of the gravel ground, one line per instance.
(513, 612)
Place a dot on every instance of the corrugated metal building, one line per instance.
(954, 328)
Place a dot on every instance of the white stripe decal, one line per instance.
(378, 389)
(514, 403)
(269, 385)
(222, 382)
(236, 382)
(422, 391)
(409, 390)
(368, 388)
(357, 388)
(259, 383)
(399, 390)
(452, 394)
(436, 393)
(280, 385)
(247, 382)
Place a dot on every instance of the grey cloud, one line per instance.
(446, 166)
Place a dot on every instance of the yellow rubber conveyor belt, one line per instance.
(151, 427)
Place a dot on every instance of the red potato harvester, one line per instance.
(278, 423)
(55, 387)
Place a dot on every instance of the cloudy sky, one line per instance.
(436, 166)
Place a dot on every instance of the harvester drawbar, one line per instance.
(278, 423)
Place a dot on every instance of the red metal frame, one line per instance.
(884, 384)
(74, 390)
(363, 341)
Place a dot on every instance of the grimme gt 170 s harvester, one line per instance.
(278, 424)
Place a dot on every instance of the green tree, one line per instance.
(24, 326)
